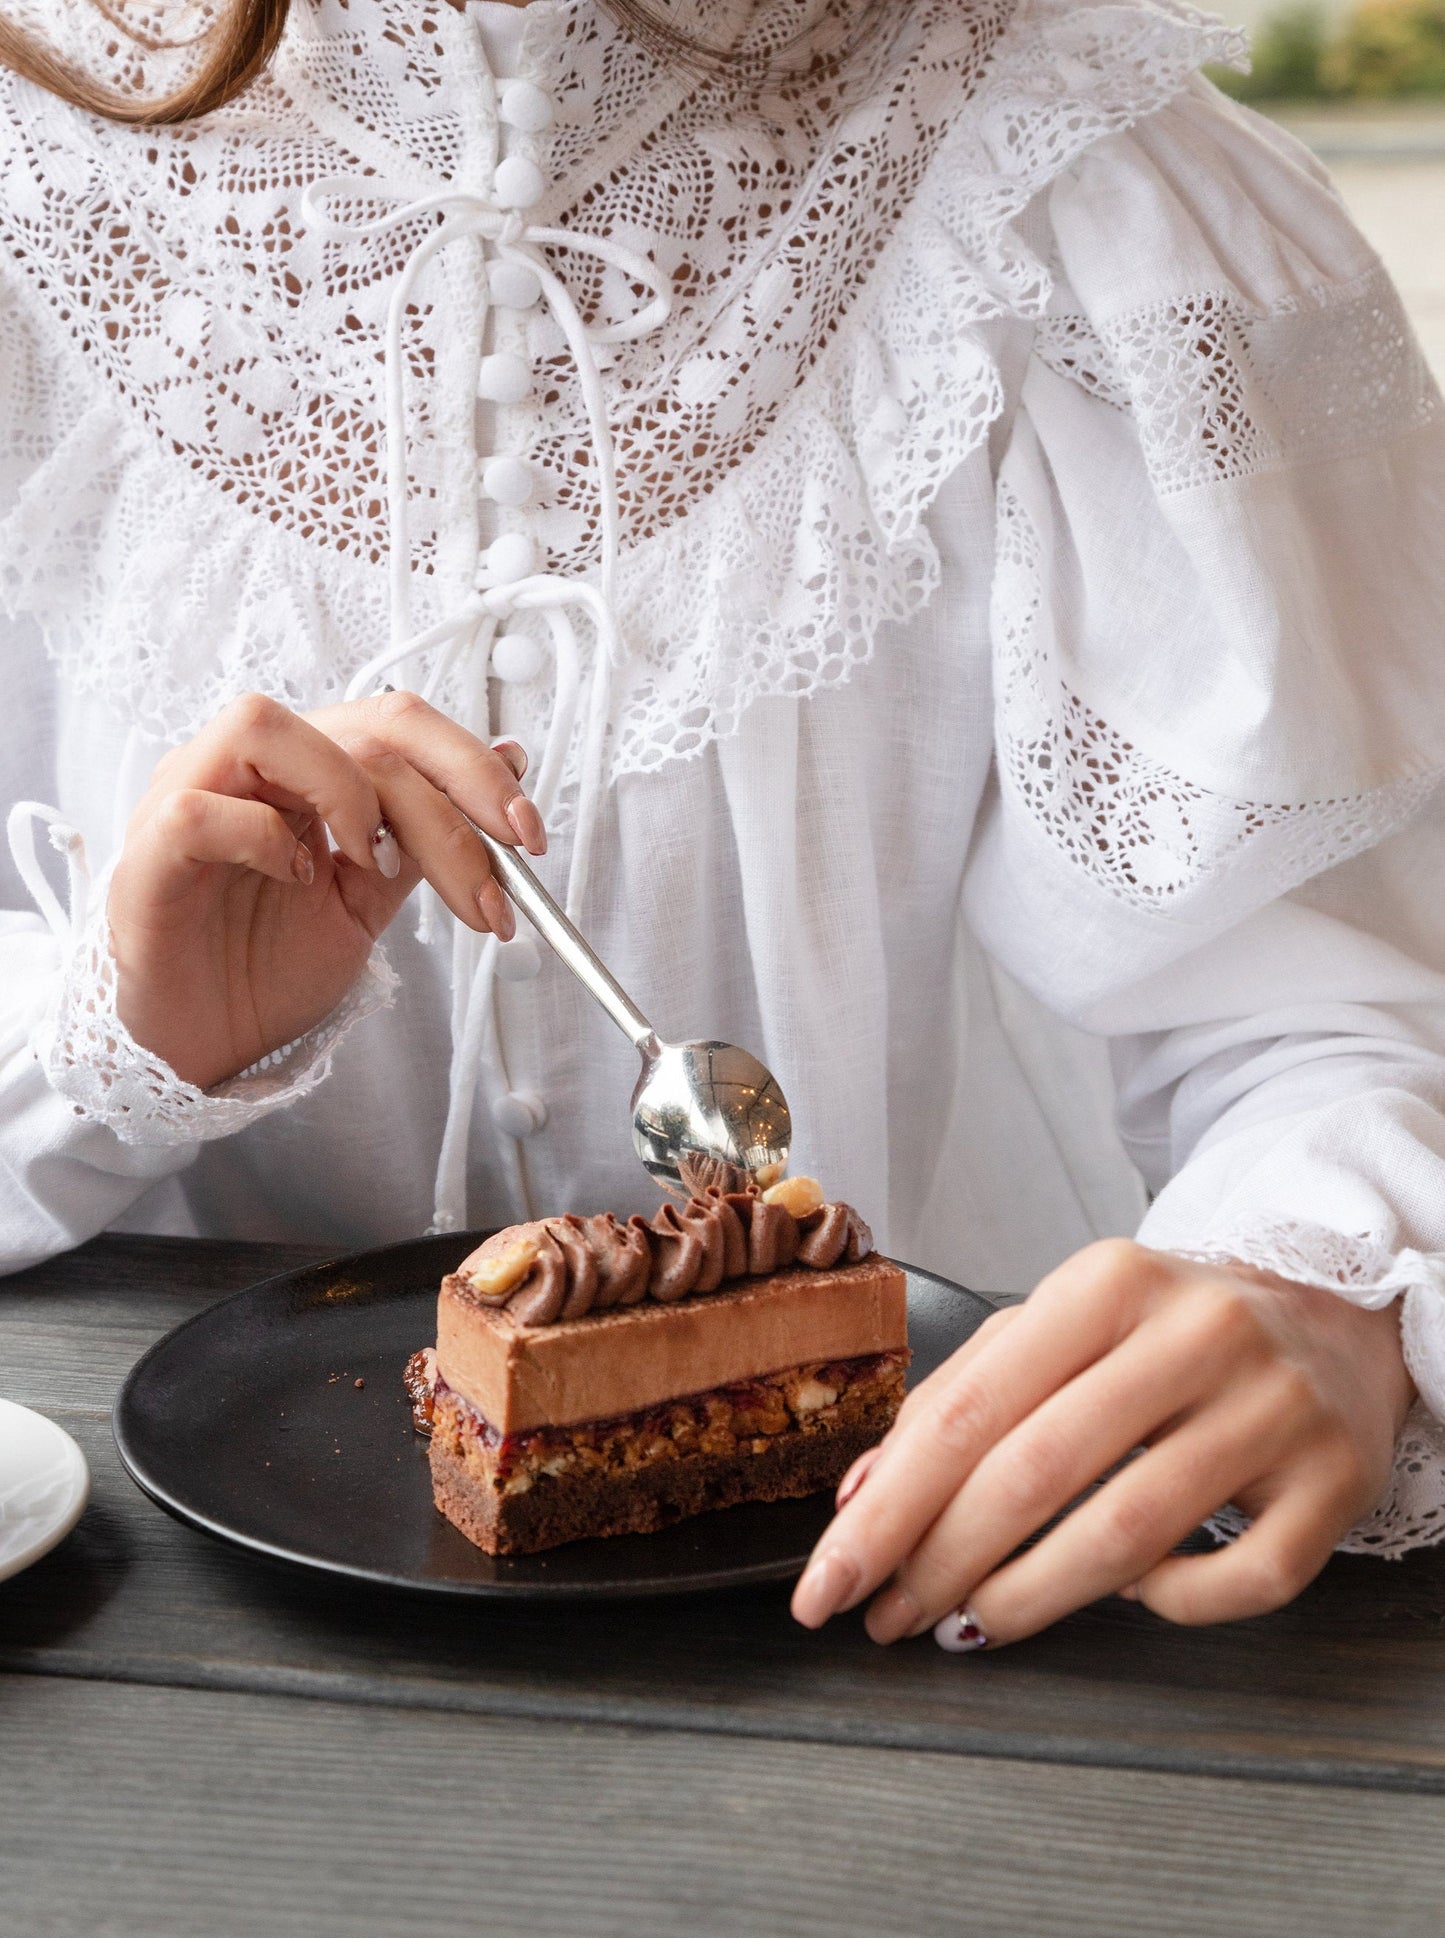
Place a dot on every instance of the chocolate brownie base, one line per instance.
(791, 1434)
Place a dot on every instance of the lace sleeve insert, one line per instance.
(94, 1062)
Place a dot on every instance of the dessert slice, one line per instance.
(594, 1378)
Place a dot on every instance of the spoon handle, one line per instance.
(553, 926)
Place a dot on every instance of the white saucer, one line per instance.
(44, 1485)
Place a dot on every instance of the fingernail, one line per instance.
(893, 1615)
(828, 1581)
(856, 1475)
(513, 753)
(960, 1633)
(527, 825)
(496, 911)
(302, 866)
(386, 852)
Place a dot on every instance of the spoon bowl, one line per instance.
(703, 1104)
(702, 1113)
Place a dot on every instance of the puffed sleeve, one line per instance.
(90, 1121)
(1216, 829)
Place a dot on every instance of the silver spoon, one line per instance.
(701, 1112)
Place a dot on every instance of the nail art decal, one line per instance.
(388, 855)
(960, 1633)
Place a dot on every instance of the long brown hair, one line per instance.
(239, 46)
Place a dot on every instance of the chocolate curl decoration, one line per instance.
(734, 1231)
(679, 1254)
(539, 1299)
(591, 1264)
(707, 1177)
(569, 1234)
(624, 1262)
(831, 1233)
(772, 1235)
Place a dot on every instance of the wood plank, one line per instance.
(155, 1813)
(1345, 1687)
(125, 1263)
(71, 1329)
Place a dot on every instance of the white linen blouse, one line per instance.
(958, 525)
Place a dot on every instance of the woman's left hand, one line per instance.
(1239, 1387)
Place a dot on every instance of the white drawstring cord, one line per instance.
(66, 840)
(476, 618)
(471, 1036)
(467, 214)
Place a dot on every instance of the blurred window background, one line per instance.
(1363, 83)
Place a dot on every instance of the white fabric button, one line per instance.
(514, 285)
(508, 480)
(504, 378)
(516, 658)
(511, 557)
(525, 107)
(519, 960)
(520, 1113)
(519, 183)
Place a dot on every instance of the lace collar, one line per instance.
(833, 247)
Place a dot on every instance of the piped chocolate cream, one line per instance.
(555, 1269)
(570, 1319)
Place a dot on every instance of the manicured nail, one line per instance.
(302, 866)
(527, 825)
(386, 852)
(893, 1615)
(828, 1582)
(496, 911)
(514, 754)
(960, 1633)
(856, 1475)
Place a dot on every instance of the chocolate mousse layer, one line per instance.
(624, 1359)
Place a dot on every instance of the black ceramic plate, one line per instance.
(248, 1423)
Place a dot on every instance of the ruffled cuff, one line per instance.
(92, 1060)
(1362, 1268)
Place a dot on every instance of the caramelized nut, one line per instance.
(811, 1396)
(497, 1275)
(798, 1195)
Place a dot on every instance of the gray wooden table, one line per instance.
(192, 1742)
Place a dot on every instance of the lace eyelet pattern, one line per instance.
(835, 239)
(1147, 835)
(1221, 392)
(92, 1060)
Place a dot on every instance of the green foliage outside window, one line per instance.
(1382, 50)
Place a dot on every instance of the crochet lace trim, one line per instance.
(1220, 391)
(93, 1061)
(1147, 835)
(822, 377)
(1361, 1267)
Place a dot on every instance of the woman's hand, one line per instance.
(235, 928)
(1238, 1386)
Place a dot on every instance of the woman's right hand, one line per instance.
(234, 926)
